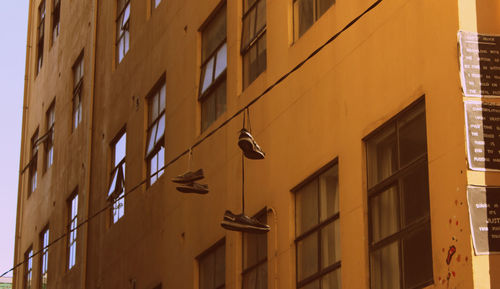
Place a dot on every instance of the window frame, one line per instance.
(33, 164)
(120, 167)
(44, 256)
(56, 19)
(42, 11)
(122, 29)
(254, 41)
(254, 267)
(72, 230)
(154, 124)
(28, 268)
(78, 66)
(316, 16)
(50, 116)
(320, 272)
(216, 81)
(212, 250)
(395, 179)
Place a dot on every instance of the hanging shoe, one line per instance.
(249, 147)
(189, 177)
(243, 223)
(193, 188)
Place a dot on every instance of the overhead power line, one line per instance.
(212, 132)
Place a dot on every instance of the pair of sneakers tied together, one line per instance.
(188, 182)
(242, 222)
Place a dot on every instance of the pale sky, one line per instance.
(13, 23)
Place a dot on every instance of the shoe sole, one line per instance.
(242, 227)
(249, 150)
(191, 190)
(185, 181)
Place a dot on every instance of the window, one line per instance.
(33, 176)
(398, 203)
(254, 275)
(306, 12)
(253, 40)
(41, 37)
(212, 266)
(28, 268)
(155, 152)
(77, 91)
(73, 223)
(122, 28)
(155, 3)
(56, 14)
(116, 192)
(44, 258)
(317, 231)
(49, 143)
(213, 69)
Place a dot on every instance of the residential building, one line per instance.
(357, 106)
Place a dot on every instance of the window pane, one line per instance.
(214, 34)
(207, 111)
(154, 109)
(154, 168)
(220, 266)
(207, 75)
(303, 16)
(161, 129)
(246, 69)
(254, 246)
(312, 285)
(247, 4)
(332, 280)
(381, 155)
(250, 280)
(256, 278)
(120, 149)
(261, 15)
(151, 137)
(307, 256)
(162, 98)
(329, 193)
(412, 136)
(161, 161)
(330, 244)
(323, 5)
(248, 32)
(221, 99)
(307, 207)
(261, 54)
(385, 267)
(125, 16)
(417, 257)
(384, 213)
(112, 186)
(207, 271)
(221, 61)
(416, 195)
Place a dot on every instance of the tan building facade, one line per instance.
(358, 107)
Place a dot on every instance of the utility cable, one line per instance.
(212, 132)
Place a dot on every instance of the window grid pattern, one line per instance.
(318, 231)
(49, 144)
(44, 259)
(28, 268)
(398, 199)
(122, 29)
(33, 166)
(116, 192)
(56, 15)
(254, 275)
(212, 267)
(253, 40)
(155, 149)
(40, 35)
(212, 95)
(77, 91)
(306, 12)
(73, 234)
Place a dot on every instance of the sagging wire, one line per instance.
(212, 132)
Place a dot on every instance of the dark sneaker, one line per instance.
(249, 147)
(243, 223)
(193, 188)
(189, 177)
